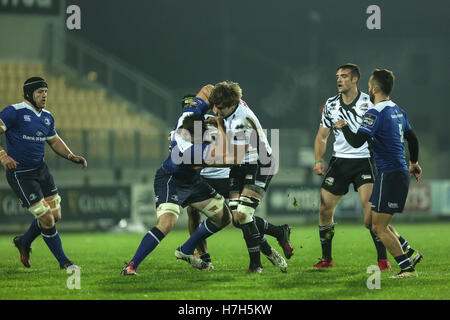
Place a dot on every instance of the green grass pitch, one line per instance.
(162, 277)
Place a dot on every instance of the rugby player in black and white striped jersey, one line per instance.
(347, 165)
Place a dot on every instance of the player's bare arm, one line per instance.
(60, 148)
(205, 92)
(320, 147)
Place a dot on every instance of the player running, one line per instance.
(27, 127)
(385, 126)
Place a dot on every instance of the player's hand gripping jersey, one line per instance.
(334, 110)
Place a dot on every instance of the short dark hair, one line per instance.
(354, 69)
(189, 124)
(225, 94)
(384, 79)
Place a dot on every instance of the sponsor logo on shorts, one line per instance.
(249, 176)
(392, 205)
(329, 181)
(366, 176)
(156, 198)
(174, 197)
(32, 196)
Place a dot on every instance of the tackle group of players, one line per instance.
(220, 164)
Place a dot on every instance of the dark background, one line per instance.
(284, 54)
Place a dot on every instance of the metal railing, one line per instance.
(95, 67)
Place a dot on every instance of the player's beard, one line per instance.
(371, 96)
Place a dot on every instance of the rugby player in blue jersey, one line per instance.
(178, 183)
(385, 126)
(27, 127)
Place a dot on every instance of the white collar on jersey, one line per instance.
(383, 104)
(25, 105)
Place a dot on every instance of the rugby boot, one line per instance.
(69, 265)
(324, 264)
(24, 252)
(129, 269)
(277, 260)
(406, 273)
(257, 270)
(284, 241)
(416, 258)
(191, 259)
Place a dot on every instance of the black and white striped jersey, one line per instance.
(334, 110)
(247, 130)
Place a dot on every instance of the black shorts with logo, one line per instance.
(342, 172)
(390, 191)
(31, 186)
(222, 186)
(248, 174)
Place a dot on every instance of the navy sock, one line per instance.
(148, 244)
(53, 241)
(33, 231)
(204, 230)
(252, 240)
(406, 247)
(265, 246)
(403, 261)
(265, 227)
(381, 249)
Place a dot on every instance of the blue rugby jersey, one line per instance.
(386, 123)
(26, 134)
(183, 154)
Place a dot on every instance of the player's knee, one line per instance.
(47, 221)
(325, 209)
(194, 216)
(168, 207)
(215, 206)
(54, 203)
(246, 208)
(39, 209)
(226, 216)
(378, 230)
(166, 222)
(235, 220)
(167, 215)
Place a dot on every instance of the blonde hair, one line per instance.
(225, 94)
